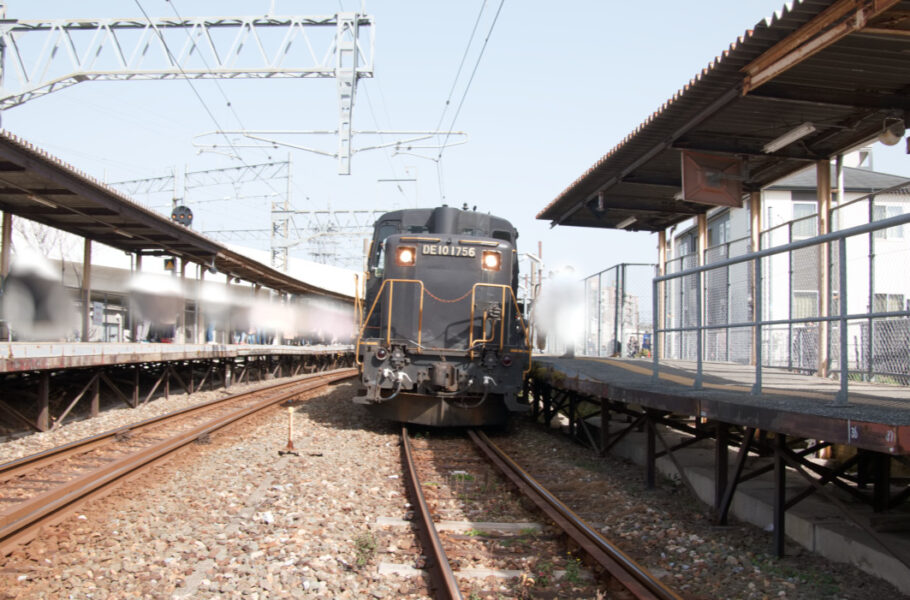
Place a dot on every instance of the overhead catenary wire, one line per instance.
(228, 103)
(189, 82)
(464, 58)
(366, 93)
(464, 95)
(467, 88)
(214, 119)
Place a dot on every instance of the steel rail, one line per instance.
(24, 521)
(19, 466)
(635, 578)
(440, 566)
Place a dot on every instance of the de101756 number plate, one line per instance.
(441, 250)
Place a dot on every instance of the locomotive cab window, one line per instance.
(384, 230)
(502, 235)
(380, 260)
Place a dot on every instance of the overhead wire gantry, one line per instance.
(41, 56)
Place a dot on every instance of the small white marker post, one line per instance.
(290, 447)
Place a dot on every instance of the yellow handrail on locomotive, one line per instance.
(472, 341)
(483, 326)
(502, 323)
(391, 283)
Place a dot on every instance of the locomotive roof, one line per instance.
(447, 219)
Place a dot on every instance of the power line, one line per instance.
(206, 63)
(188, 81)
(464, 57)
(366, 93)
(236, 152)
(224, 95)
(281, 262)
(473, 73)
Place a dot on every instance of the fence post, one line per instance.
(870, 348)
(617, 344)
(600, 310)
(756, 387)
(655, 339)
(699, 302)
(842, 396)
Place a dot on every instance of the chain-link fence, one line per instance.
(878, 346)
(791, 284)
(726, 292)
(779, 296)
(618, 316)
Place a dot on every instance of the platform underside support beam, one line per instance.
(47, 399)
(741, 453)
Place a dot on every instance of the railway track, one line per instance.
(622, 572)
(45, 488)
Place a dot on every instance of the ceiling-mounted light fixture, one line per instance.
(797, 133)
(41, 201)
(892, 131)
(626, 222)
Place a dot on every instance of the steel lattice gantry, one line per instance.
(46, 55)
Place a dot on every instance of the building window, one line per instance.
(805, 304)
(685, 244)
(802, 225)
(719, 230)
(887, 302)
(879, 213)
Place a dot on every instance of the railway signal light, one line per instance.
(182, 215)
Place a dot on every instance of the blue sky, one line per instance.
(558, 86)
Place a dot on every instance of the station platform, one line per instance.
(29, 356)
(44, 384)
(876, 417)
(832, 477)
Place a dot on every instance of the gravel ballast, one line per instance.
(231, 518)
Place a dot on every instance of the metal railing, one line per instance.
(508, 305)
(617, 321)
(759, 262)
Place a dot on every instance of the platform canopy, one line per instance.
(820, 78)
(42, 188)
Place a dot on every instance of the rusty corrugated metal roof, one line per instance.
(843, 81)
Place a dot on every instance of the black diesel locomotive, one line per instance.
(442, 341)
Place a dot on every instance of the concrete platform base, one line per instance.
(816, 523)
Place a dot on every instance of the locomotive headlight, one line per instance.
(491, 260)
(406, 256)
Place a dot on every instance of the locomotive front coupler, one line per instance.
(398, 358)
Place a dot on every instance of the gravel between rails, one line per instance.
(668, 531)
(233, 519)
